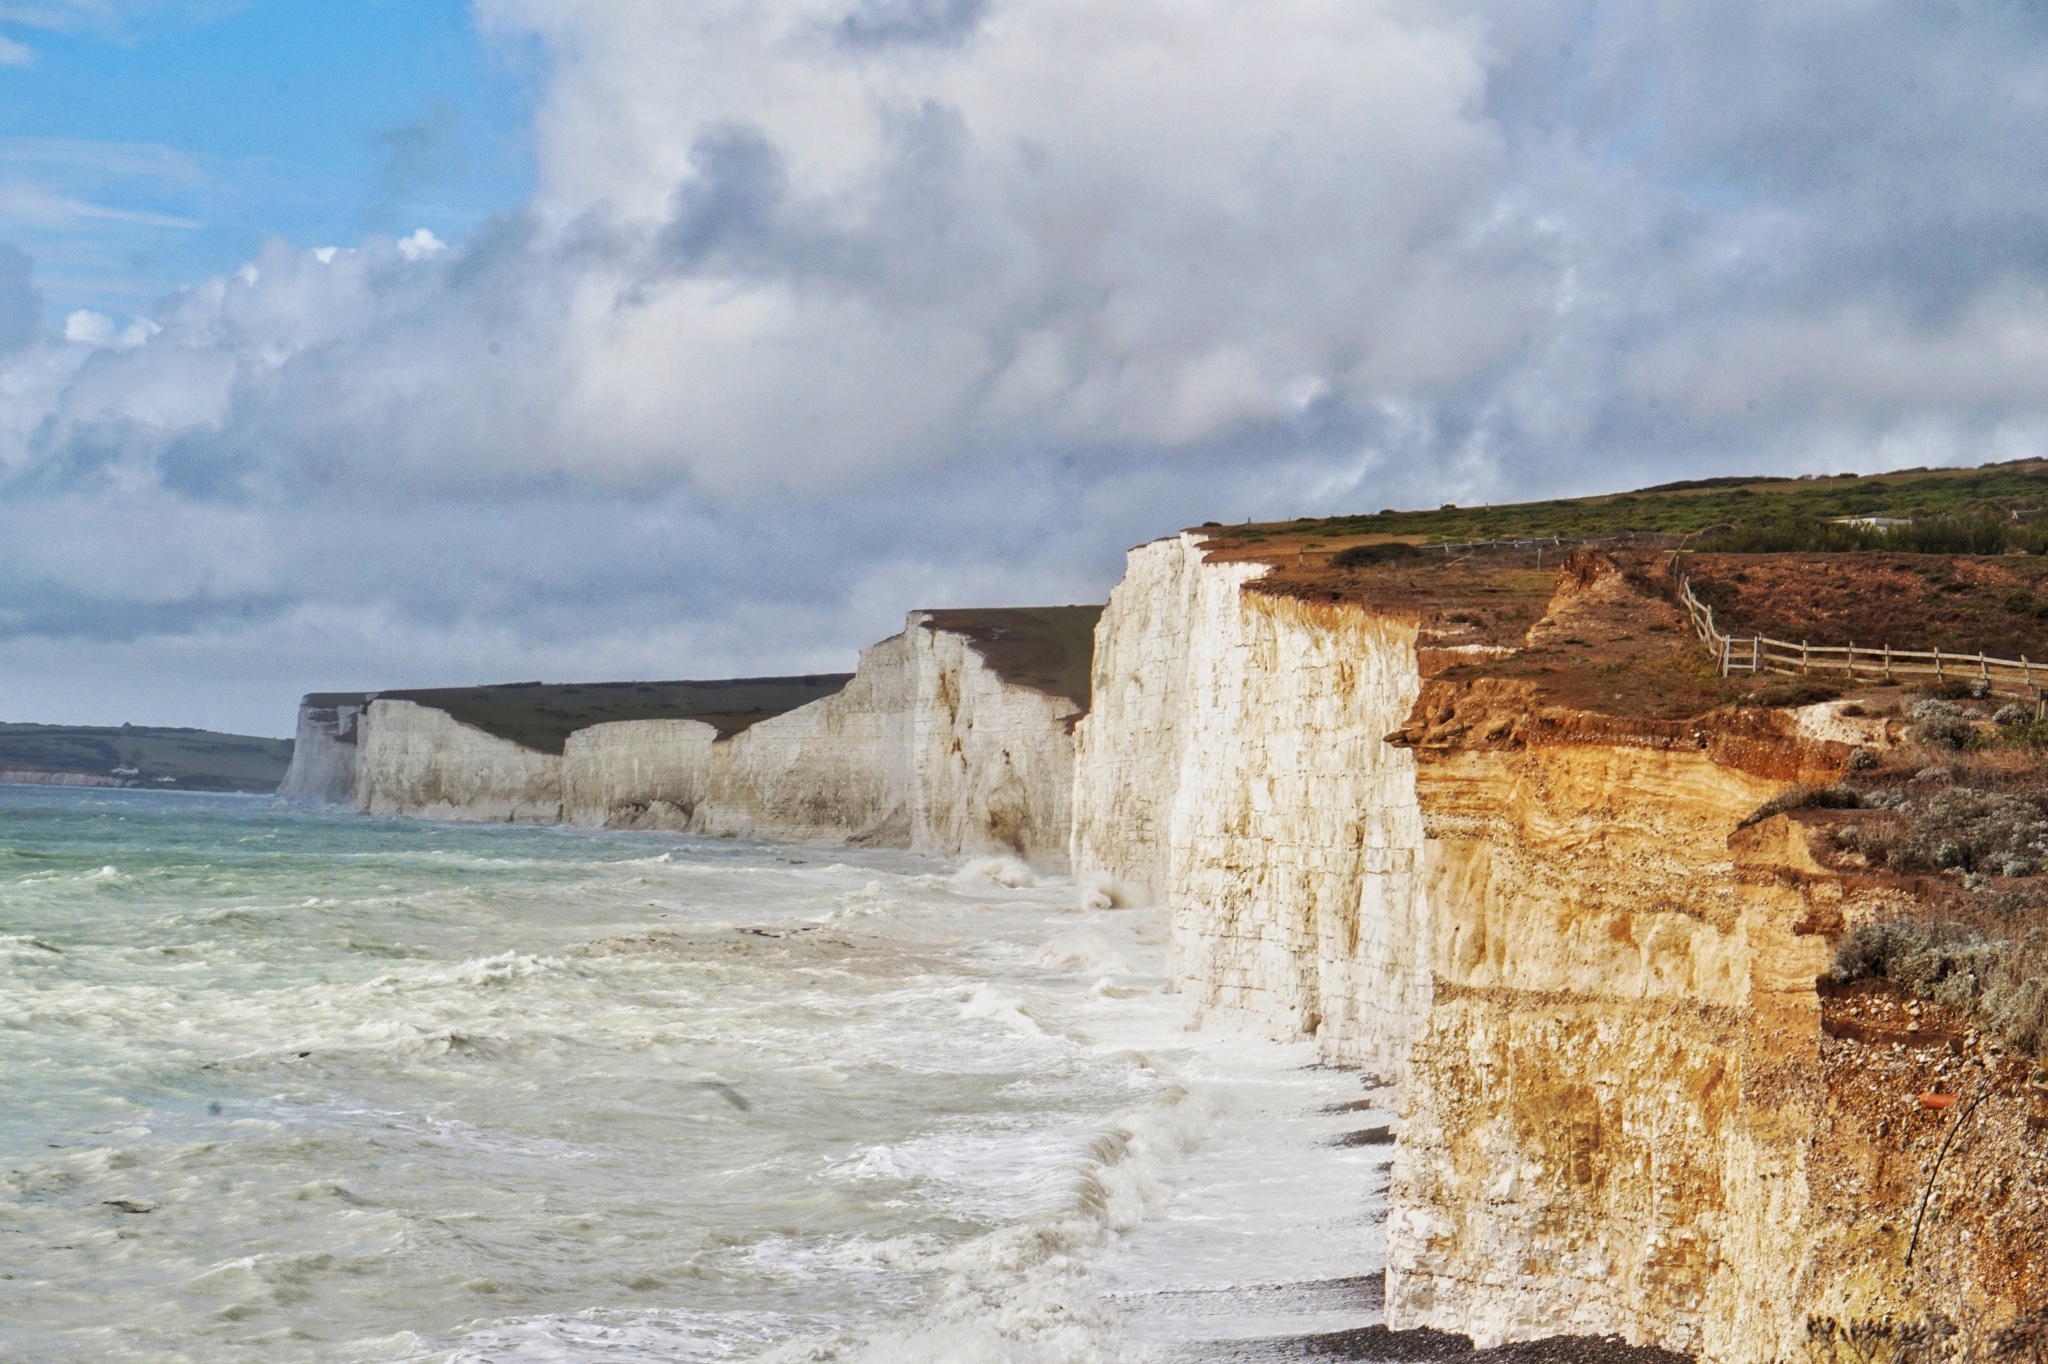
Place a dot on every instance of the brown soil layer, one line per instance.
(1599, 631)
(1050, 649)
(1594, 632)
(1961, 603)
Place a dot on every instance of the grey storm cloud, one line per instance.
(824, 310)
(877, 23)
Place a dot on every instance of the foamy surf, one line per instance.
(300, 1087)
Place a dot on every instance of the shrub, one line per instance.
(1943, 725)
(1366, 556)
(2030, 733)
(2000, 981)
(1952, 828)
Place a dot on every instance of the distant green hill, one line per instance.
(167, 759)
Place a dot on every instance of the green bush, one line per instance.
(1366, 556)
(1975, 534)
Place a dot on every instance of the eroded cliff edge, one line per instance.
(1498, 835)
(1637, 1104)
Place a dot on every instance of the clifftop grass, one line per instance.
(1688, 507)
(542, 715)
(1049, 649)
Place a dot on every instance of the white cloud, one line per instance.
(418, 246)
(89, 328)
(13, 53)
(827, 305)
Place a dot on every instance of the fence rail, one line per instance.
(2022, 677)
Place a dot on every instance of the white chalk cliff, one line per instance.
(419, 761)
(927, 747)
(1233, 768)
(1593, 975)
(323, 766)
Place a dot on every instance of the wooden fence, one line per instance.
(1760, 653)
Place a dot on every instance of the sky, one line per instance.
(349, 344)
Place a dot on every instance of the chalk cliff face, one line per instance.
(1605, 1127)
(637, 774)
(1233, 765)
(1628, 1106)
(927, 748)
(323, 767)
(1631, 1109)
(992, 762)
(419, 761)
(837, 770)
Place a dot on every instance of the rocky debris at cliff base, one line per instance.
(1424, 1346)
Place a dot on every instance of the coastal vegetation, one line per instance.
(1956, 505)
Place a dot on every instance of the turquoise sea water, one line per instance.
(278, 1085)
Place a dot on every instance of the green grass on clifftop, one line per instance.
(542, 715)
(1049, 649)
(1697, 505)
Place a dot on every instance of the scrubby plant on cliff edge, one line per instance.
(1964, 799)
(1994, 973)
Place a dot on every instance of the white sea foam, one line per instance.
(1009, 872)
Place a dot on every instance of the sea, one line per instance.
(280, 1085)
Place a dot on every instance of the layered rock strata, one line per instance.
(1233, 767)
(1627, 1112)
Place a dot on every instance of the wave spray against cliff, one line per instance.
(277, 1086)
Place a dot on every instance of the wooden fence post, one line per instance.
(1803, 668)
(1756, 653)
(1887, 660)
